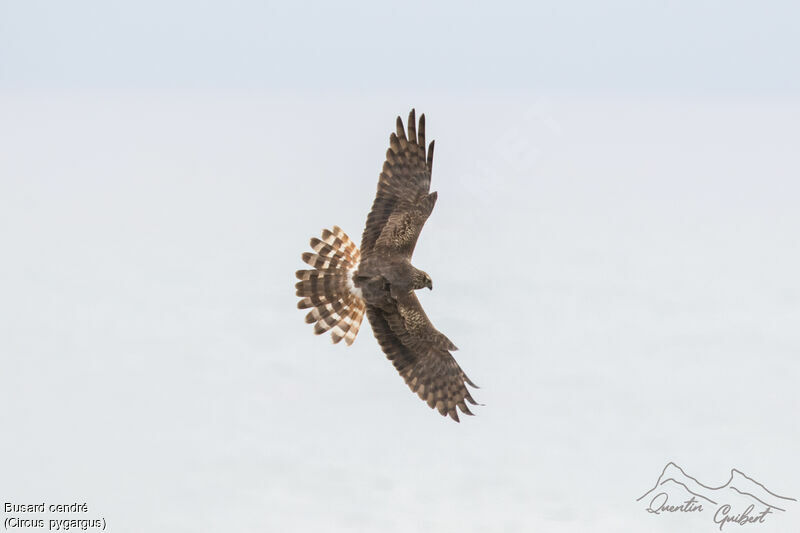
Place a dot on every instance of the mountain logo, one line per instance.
(741, 500)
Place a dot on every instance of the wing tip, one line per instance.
(401, 131)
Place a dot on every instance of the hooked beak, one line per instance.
(430, 285)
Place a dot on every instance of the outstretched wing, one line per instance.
(421, 354)
(402, 203)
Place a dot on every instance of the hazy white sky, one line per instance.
(703, 46)
(620, 278)
(614, 249)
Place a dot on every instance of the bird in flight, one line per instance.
(379, 278)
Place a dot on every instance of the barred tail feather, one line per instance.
(336, 305)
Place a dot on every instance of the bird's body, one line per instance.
(380, 280)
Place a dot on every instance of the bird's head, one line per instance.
(421, 280)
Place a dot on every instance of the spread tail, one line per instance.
(328, 290)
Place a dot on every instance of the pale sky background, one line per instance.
(614, 250)
(649, 47)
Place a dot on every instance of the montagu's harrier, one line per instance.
(380, 278)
